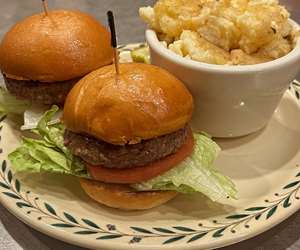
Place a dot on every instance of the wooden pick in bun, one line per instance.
(130, 127)
(53, 48)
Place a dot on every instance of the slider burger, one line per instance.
(126, 137)
(127, 129)
(44, 55)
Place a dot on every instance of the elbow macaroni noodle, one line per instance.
(232, 32)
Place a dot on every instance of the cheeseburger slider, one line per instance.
(44, 55)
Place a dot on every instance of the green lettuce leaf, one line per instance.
(9, 104)
(34, 114)
(195, 174)
(48, 153)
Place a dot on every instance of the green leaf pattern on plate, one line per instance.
(90, 223)
(109, 237)
(219, 233)
(70, 218)
(196, 237)
(11, 187)
(173, 239)
(50, 209)
(271, 212)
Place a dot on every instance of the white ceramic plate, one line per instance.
(264, 166)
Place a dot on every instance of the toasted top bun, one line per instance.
(124, 197)
(142, 102)
(59, 46)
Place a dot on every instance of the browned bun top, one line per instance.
(59, 46)
(124, 197)
(142, 102)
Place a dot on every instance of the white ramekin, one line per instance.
(230, 101)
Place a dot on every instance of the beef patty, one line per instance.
(40, 92)
(98, 152)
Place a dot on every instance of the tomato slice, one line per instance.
(144, 173)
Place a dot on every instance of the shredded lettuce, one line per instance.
(15, 108)
(48, 153)
(9, 104)
(195, 174)
(33, 115)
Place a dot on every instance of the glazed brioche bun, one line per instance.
(60, 46)
(142, 102)
(124, 197)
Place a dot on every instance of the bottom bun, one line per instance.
(123, 196)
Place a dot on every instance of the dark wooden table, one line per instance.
(15, 235)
